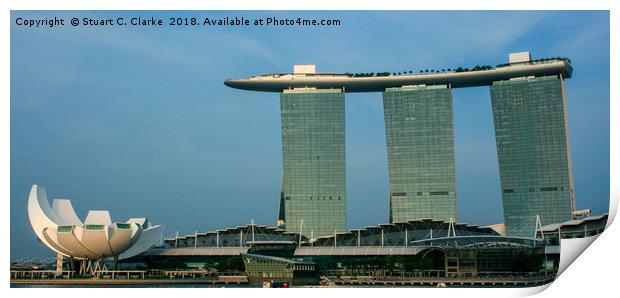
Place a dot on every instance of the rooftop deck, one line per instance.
(280, 82)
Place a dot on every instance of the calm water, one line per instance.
(134, 286)
(237, 286)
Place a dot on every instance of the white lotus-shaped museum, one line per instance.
(97, 238)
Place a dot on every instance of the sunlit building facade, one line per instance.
(420, 144)
(313, 146)
(531, 133)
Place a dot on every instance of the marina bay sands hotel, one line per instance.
(528, 99)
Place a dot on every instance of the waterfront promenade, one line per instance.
(132, 278)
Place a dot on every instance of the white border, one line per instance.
(592, 273)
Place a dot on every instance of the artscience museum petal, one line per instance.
(97, 237)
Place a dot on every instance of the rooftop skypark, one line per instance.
(479, 75)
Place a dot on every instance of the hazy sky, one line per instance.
(136, 120)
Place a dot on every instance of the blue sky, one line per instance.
(137, 120)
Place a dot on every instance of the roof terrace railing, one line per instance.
(418, 72)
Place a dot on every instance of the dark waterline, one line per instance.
(134, 286)
(238, 286)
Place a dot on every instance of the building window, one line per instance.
(548, 188)
(437, 193)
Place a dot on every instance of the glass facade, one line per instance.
(313, 145)
(260, 268)
(94, 227)
(420, 142)
(123, 226)
(534, 158)
(64, 229)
